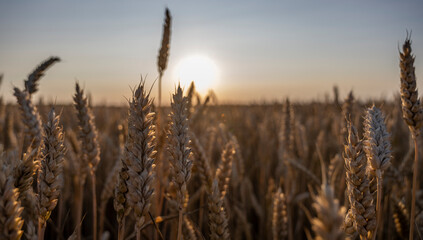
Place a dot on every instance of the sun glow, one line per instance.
(198, 69)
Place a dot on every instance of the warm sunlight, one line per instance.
(200, 69)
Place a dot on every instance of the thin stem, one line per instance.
(160, 89)
(121, 229)
(180, 224)
(413, 198)
(41, 229)
(79, 200)
(138, 234)
(94, 196)
(102, 215)
(379, 200)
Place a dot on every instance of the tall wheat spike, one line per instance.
(49, 178)
(89, 146)
(178, 147)
(361, 201)
(378, 151)
(412, 113)
(164, 50)
(140, 149)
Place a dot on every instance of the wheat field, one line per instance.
(335, 169)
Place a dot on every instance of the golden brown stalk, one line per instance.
(10, 209)
(412, 113)
(279, 219)
(164, 51)
(178, 147)
(378, 151)
(330, 215)
(49, 179)
(89, 146)
(224, 171)
(218, 221)
(361, 201)
(140, 150)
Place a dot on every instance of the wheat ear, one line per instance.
(378, 151)
(89, 146)
(49, 177)
(218, 221)
(412, 114)
(224, 170)
(178, 147)
(164, 51)
(140, 150)
(10, 209)
(361, 201)
(31, 84)
(327, 225)
(279, 216)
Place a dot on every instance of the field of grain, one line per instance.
(335, 169)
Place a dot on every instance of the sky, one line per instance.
(261, 50)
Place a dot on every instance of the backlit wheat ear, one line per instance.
(49, 178)
(224, 171)
(411, 108)
(164, 50)
(90, 148)
(279, 218)
(32, 121)
(178, 147)
(218, 221)
(140, 155)
(361, 201)
(87, 132)
(327, 225)
(31, 83)
(378, 151)
(10, 209)
(412, 113)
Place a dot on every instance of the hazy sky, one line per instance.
(264, 50)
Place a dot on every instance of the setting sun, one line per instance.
(199, 69)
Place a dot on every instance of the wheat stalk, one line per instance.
(412, 113)
(378, 151)
(10, 209)
(279, 216)
(218, 221)
(178, 147)
(164, 51)
(361, 201)
(330, 215)
(31, 84)
(49, 177)
(224, 170)
(89, 146)
(140, 150)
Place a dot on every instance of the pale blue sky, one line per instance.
(265, 50)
